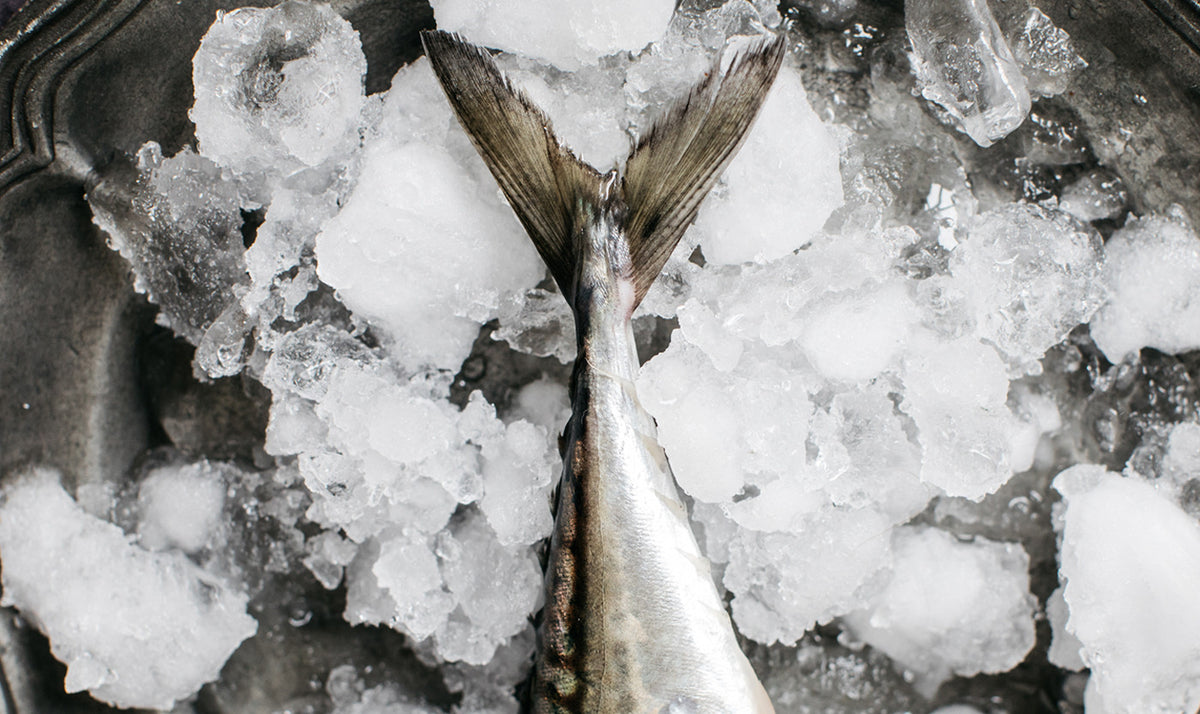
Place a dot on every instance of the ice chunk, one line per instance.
(408, 570)
(963, 63)
(956, 393)
(541, 325)
(719, 427)
(178, 224)
(424, 248)
(1029, 275)
(517, 478)
(1046, 54)
(1152, 272)
(1181, 463)
(468, 591)
(865, 457)
(303, 361)
(328, 555)
(1130, 560)
(1097, 195)
(950, 607)
(856, 339)
(776, 597)
(285, 240)
(497, 587)
(135, 628)
(222, 349)
(780, 188)
(180, 506)
(278, 89)
(568, 34)
(544, 402)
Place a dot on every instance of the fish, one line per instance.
(633, 621)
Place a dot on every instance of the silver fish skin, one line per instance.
(633, 622)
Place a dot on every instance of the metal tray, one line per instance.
(86, 376)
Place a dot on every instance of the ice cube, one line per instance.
(568, 34)
(302, 362)
(1152, 272)
(278, 89)
(1130, 560)
(328, 555)
(950, 607)
(518, 474)
(135, 628)
(1097, 195)
(541, 324)
(720, 427)
(963, 63)
(497, 587)
(284, 241)
(855, 339)
(544, 402)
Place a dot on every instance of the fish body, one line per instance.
(633, 621)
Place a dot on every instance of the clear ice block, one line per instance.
(963, 63)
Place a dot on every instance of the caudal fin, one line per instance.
(668, 173)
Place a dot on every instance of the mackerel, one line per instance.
(633, 621)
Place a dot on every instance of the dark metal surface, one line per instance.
(1183, 16)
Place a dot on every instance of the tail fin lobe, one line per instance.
(675, 164)
(668, 173)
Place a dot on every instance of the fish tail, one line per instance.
(667, 174)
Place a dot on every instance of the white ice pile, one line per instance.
(278, 113)
(813, 402)
(1158, 251)
(950, 607)
(389, 461)
(1130, 562)
(136, 628)
(983, 76)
